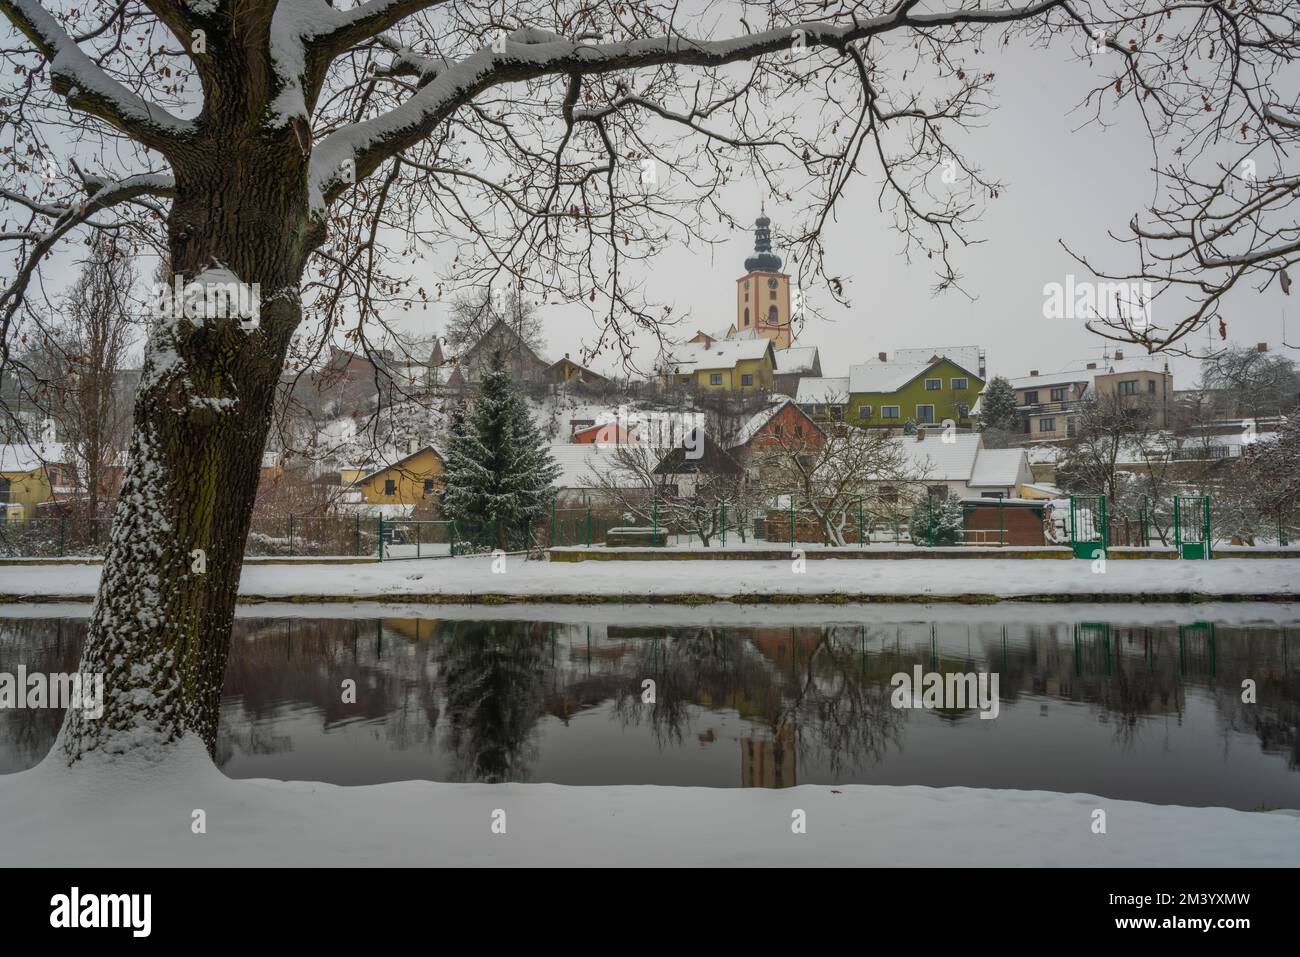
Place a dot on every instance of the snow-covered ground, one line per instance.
(474, 577)
(134, 815)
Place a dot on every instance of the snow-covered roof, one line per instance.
(820, 391)
(578, 463)
(933, 458)
(968, 357)
(884, 376)
(796, 359)
(719, 355)
(1051, 379)
(998, 467)
(758, 420)
(1139, 364)
(28, 457)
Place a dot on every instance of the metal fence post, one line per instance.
(358, 516)
(1281, 535)
(1178, 527)
(553, 502)
(589, 526)
(417, 539)
(861, 540)
(452, 536)
(792, 521)
(1002, 525)
(63, 522)
(381, 538)
(291, 533)
(722, 510)
(929, 521)
(1206, 531)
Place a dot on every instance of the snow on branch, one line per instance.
(529, 53)
(86, 87)
(301, 28)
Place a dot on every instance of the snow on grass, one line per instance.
(721, 578)
(132, 813)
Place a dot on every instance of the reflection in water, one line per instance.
(1151, 713)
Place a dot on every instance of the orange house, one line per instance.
(781, 425)
(607, 433)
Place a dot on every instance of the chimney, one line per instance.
(1261, 347)
(1119, 354)
(883, 356)
(1092, 365)
(1033, 373)
(920, 434)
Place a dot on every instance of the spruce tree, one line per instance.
(499, 470)
(998, 406)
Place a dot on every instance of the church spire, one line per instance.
(763, 260)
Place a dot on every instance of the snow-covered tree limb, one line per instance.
(88, 88)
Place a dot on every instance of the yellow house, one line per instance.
(24, 480)
(727, 365)
(408, 481)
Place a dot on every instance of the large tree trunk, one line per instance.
(160, 630)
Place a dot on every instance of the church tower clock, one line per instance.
(763, 293)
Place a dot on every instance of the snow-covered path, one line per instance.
(473, 579)
(123, 816)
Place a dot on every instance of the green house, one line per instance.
(886, 394)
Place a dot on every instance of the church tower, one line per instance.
(763, 293)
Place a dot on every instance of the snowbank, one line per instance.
(473, 579)
(125, 814)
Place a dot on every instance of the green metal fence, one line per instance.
(1089, 529)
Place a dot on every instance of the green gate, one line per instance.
(1088, 531)
(1192, 526)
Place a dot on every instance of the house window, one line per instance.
(837, 412)
(1151, 386)
(1031, 398)
(924, 414)
(771, 315)
(1069, 426)
(1128, 387)
(960, 385)
(428, 487)
(1058, 395)
(889, 412)
(933, 385)
(390, 487)
(937, 491)
(991, 495)
(746, 313)
(804, 460)
(715, 378)
(889, 495)
(864, 412)
(1046, 425)
(772, 294)
(747, 379)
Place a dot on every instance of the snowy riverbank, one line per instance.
(126, 815)
(474, 580)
